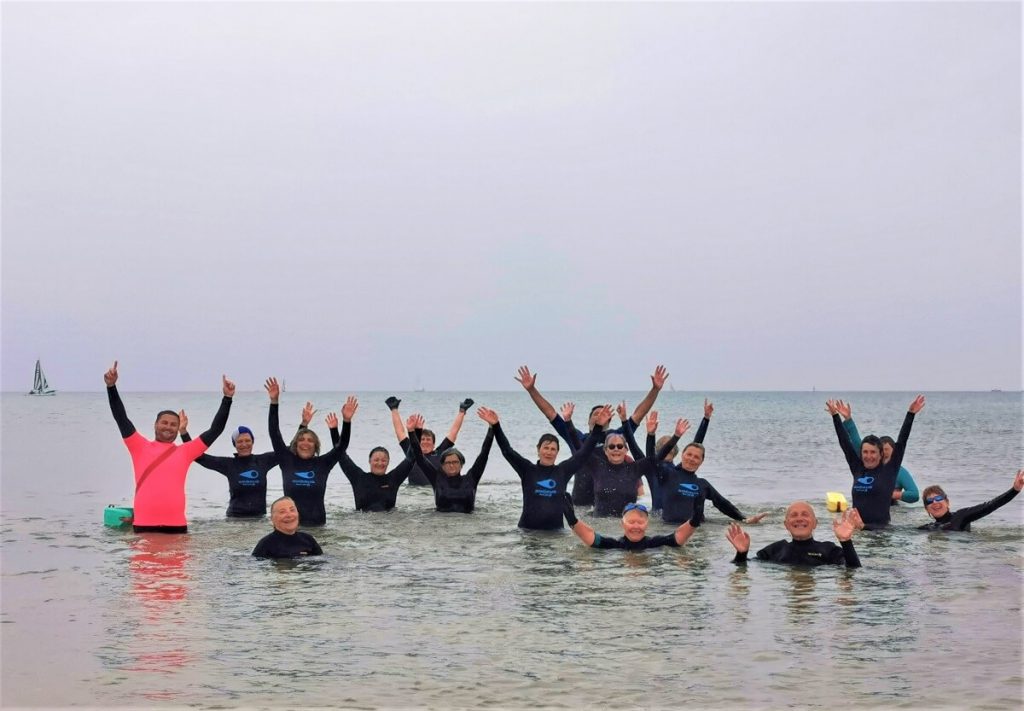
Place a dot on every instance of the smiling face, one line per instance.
(935, 509)
(634, 525)
(305, 445)
(379, 462)
(615, 448)
(870, 455)
(165, 429)
(547, 452)
(692, 458)
(284, 516)
(427, 442)
(886, 452)
(243, 445)
(451, 465)
(800, 520)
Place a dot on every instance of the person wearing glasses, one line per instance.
(906, 488)
(680, 487)
(544, 482)
(427, 438)
(874, 480)
(803, 549)
(635, 518)
(936, 503)
(582, 483)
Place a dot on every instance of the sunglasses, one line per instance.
(635, 507)
(615, 446)
(934, 499)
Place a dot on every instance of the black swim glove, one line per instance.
(568, 510)
(466, 404)
(392, 403)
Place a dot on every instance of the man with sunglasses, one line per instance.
(635, 518)
(936, 503)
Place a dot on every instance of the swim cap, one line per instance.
(241, 431)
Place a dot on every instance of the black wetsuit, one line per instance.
(282, 545)
(872, 488)
(809, 552)
(417, 476)
(657, 493)
(373, 492)
(680, 488)
(583, 481)
(615, 485)
(455, 494)
(641, 545)
(304, 480)
(544, 486)
(961, 519)
(247, 480)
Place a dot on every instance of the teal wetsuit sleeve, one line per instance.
(851, 430)
(906, 482)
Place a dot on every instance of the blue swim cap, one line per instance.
(241, 431)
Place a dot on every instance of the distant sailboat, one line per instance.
(39, 384)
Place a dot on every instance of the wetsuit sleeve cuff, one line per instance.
(740, 558)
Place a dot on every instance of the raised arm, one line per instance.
(428, 468)
(844, 527)
(975, 512)
(658, 379)
(477, 470)
(852, 456)
(584, 532)
(519, 463)
(572, 464)
(401, 472)
(217, 464)
(453, 433)
(634, 448)
(220, 420)
(273, 417)
(529, 382)
(900, 447)
(116, 406)
(702, 428)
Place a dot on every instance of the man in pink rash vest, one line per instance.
(160, 465)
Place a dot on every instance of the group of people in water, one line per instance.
(604, 475)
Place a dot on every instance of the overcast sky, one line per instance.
(379, 196)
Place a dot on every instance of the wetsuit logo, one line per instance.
(251, 474)
(548, 487)
(304, 479)
(863, 484)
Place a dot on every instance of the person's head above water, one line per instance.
(635, 518)
(379, 459)
(243, 439)
(615, 448)
(284, 516)
(888, 443)
(547, 449)
(452, 462)
(165, 429)
(427, 440)
(693, 456)
(936, 502)
(305, 444)
(800, 520)
(673, 452)
(871, 452)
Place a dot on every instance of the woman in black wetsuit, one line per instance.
(936, 503)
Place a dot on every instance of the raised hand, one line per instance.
(844, 409)
(652, 422)
(739, 538)
(681, 427)
(855, 519)
(273, 389)
(659, 377)
(755, 518)
(307, 413)
(568, 408)
(526, 379)
(604, 416)
(182, 422)
(487, 415)
(417, 421)
(110, 377)
(227, 386)
(392, 403)
(620, 410)
(917, 405)
(1018, 481)
(466, 404)
(709, 408)
(348, 410)
(830, 405)
(331, 420)
(844, 526)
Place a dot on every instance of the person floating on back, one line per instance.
(936, 503)
(286, 541)
(160, 465)
(803, 549)
(635, 518)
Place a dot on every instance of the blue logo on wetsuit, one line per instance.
(689, 489)
(249, 478)
(863, 483)
(305, 479)
(548, 487)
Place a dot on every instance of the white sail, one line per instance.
(39, 384)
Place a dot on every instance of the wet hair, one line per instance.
(379, 449)
(661, 443)
(165, 412)
(278, 500)
(547, 437)
(698, 445)
(302, 431)
(613, 434)
(932, 491)
(873, 441)
(428, 433)
(886, 440)
(450, 451)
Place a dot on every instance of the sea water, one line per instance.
(417, 608)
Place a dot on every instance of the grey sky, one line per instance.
(374, 196)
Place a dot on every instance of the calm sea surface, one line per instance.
(417, 608)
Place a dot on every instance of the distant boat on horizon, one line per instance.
(39, 384)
